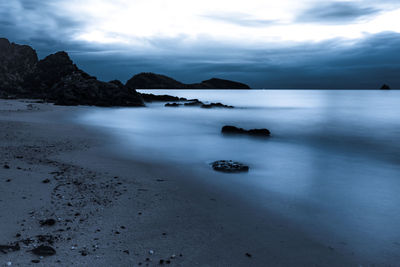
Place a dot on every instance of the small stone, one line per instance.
(9, 263)
(35, 261)
(46, 181)
(248, 255)
(6, 166)
(151, 252)
(48, 222)
(44, 251)
(161, 261)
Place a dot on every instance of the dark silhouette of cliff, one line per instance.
(56, 78)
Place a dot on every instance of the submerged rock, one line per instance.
(216, 105)
(173, 105)
(229, 166)
(235, 130)
(194, 102)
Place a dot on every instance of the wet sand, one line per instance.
(114, 211)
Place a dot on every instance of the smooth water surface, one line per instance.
(332, 164)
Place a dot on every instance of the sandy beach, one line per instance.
(112, 211)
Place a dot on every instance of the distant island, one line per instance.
(148, 80)
(57, 79)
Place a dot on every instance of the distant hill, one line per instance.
(148, 80)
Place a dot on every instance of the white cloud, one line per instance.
(134, 22)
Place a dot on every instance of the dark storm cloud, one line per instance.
(35, 23)
(242, 20)
(337, 12)
(366, 64)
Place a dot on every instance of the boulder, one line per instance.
(385, 87)
(228, 129)
(229, 166)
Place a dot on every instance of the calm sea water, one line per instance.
(332, 164)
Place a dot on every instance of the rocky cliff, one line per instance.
(16, 63)
(56, 78)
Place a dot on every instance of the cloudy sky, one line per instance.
(265, 43)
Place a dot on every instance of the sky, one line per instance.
(267, 44)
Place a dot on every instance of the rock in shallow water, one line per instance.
(229, 166)
(235, 130)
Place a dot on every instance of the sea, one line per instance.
(331, 164)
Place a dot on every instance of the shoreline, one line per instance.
(148, 207)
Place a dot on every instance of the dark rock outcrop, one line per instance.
(173, 105)
(49, 71)
(17, 62)
(235, 130)
(80, 89)
(229, 166)
(216, 105)
(194, 102)
(56, 78)
(161, 98)
(385, 87)
(148, 80)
